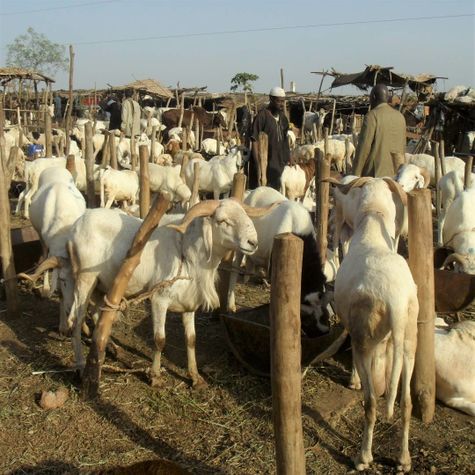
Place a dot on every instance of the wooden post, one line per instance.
(322, 168)
(302, 133)
(333, 116)
(70, 97)
(237, 191)
(422, 268)
(89, 159)
(468, 173)
(442, 153)
(282, 78)
(263, 144)
(152, 144)
(6, 250)
(184, 139)
(48, 134)
(113, 151)
(347, 156)
(182, 109)
(92, 371)
(133, 154)
(196, 184)
(106, 150)
(71, 165)
(437, 178)
(144, 191)
(184, 163)
(197, 135)
(286, 351)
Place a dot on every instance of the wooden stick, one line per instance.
(315, 132)
(197, 135)
(467, 180)
(71, 165)
(437, 178)
(133, 154)
(70, 97)
(6, 249)
(113, 151)
(184, 139)
(48, 134)
(422, 268)
(282, 78)
(237, 191)
(152, 144)
(302, 134)
(184, 163)
(89, 159)
(182, 109)
(144, 190)
(106, 150)
(333, 116)
(286, 351)
(95, 359)
(263, 144)
(196, 184)
(323, 203)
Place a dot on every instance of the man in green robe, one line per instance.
(383, 133)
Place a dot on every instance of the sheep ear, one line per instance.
(208, 237)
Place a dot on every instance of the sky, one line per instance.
(206, 42)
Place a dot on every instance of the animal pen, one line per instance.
(300, 420)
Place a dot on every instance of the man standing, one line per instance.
(273, 122)
(115, 112)
(130, 115)
(383, 133)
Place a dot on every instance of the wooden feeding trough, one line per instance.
(454, 291)
(26, 248)
(248, 335)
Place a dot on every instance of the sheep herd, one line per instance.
(373, 292)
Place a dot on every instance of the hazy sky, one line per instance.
(319, 39)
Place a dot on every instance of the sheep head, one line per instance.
(462, 262)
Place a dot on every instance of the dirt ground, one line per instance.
(224, 428)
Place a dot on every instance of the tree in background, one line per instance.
(243, 80)
(34, 51)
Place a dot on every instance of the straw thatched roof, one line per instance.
(8, 74)
(149, 86)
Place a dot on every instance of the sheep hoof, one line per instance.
(156, 381)
(404, 465)
(362, 463)
(355, 386)
(199, 383)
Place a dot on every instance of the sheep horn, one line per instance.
(258, 212)
(49, 263)
(356, 183)
(204, 208)
(455, 257)
(395, 187)
(425, 173)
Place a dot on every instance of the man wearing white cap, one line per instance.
(272, 121)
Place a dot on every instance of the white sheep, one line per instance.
(176, 133)
(450, 186)
(458, 232)
(167, 179)
(210, 147)
(118, 185)
(376, 300)
(337, 151)
(207, 232)
(428, 162)
(215, 176)
(454, 349)
(54, 208)
(31, 174)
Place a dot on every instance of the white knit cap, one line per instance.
(277, 92)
